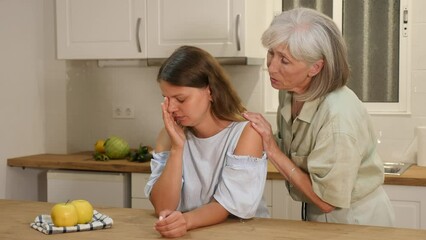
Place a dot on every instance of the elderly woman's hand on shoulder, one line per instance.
(263, 127)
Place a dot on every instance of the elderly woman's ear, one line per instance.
(316, 68)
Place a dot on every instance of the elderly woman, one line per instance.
(325, 146)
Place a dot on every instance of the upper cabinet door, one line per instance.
(138, 29)
(217, 26)
(101, 29)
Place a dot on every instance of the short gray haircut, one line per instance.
(310, 36)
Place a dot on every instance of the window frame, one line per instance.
(403, 106)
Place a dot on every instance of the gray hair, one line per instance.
(310, 36)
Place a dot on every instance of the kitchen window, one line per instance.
(376, 33)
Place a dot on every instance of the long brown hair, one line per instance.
(193, 67)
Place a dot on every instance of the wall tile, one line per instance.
(418, 11)
(418, 46)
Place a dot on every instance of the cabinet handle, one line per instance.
(138, 39)
(237, 32)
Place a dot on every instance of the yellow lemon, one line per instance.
(99, 146)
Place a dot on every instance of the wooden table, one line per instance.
(129, 224)
(414, 176)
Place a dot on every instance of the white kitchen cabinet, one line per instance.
(225, 28)
(409, 203)
(108, 189)
(279, 202)
(151, 29)
(101, 29)
(138, 182)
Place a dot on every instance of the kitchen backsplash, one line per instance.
(92, 92)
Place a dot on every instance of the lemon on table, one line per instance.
(99, 146)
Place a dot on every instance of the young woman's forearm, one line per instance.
(206, 215)
(165, 193)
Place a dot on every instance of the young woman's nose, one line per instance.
(172, 106)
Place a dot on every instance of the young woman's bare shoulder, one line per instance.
(250, 143)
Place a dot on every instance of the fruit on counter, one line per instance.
(111, 148)
(116, 148)
(64, 215)
(142, 154)
(84, 210)
(100, 156)
(99, 146)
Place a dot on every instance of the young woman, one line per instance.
(208, 162)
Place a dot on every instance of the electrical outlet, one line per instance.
(123, 111)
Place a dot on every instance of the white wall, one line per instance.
(31, 100)
(93, 91)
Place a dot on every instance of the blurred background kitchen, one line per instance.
(63, 106)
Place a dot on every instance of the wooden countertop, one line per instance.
(414, 176)
(137, 224)
(78, 161)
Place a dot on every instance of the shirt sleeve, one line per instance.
(241, 188)
(333, 166)
(158, 162)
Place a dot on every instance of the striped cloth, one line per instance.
(43, 223)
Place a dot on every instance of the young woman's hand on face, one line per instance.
(175, 131)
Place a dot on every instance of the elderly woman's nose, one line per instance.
(273, 65)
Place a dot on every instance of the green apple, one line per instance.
(84, 210)
(64, 215)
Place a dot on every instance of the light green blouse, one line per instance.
(334, 141)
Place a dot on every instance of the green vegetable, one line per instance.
(100, 156)
(142, 154)
(116, 148)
